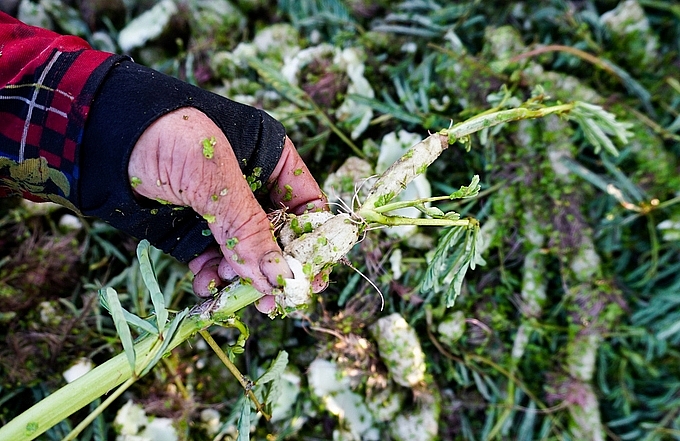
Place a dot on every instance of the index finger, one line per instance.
(292, 185)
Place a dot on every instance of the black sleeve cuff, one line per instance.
(130, 99)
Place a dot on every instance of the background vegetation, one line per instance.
(570, 330)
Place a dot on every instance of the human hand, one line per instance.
(183, 158)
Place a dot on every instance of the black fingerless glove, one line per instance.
(130, 99)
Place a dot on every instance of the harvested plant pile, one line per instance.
(536, 299)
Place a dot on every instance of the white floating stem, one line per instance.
(327, 244)
(420, 156)
(413, 163)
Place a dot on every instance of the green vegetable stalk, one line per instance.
(106, 377)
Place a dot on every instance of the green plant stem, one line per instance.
(479, 122)
(245, 382)
(592, 59)
(104, 378)
(150, 355)
(405, 204)
(509, 409)
(95, 413)
(335, 129)
(300, 98)
(395, 179)
(668, 203)
(393, 221)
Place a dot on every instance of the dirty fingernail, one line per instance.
(320, 282)
(274, 267)
(266, 304)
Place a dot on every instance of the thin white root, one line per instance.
(346, 262)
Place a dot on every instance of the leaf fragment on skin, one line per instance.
(209, 147)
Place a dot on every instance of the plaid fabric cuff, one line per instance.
(42, 118)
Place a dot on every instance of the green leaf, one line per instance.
(634, 87)
(149, 278)
(440, 258)
(598, 126)
(275, 79)
(389, 107)
(110, 296)
(244, 421)
(430, 211)
(275, 369)
(526, 429)
(468, 191)
(132, 319)
(273, 375)
(457, 251)
(167, 338)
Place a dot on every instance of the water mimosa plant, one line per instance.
(311, 243)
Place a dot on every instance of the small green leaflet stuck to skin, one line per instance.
(135, 181)
(253, 180)
(212, 287)
(209, 147)
(289, 193)
(210, 218)
(231, 243)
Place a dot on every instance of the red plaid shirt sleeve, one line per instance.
(70, 116)
(47, 83)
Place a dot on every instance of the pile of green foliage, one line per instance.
(568, 331)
